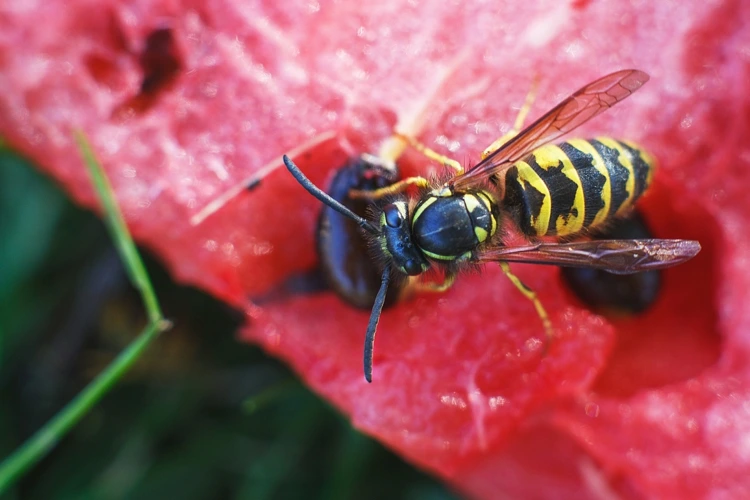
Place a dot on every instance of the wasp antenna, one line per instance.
(323, 197)
(377, 308)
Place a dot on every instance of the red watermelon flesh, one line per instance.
(182, 101)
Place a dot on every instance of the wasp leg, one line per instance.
(518, 124)
(392, 189)
(532, 296)
(435, 287)
(429, 153)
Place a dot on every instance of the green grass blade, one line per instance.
(120, 235)
(38, 445)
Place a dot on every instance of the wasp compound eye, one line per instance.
(392, 216)
(412, 267)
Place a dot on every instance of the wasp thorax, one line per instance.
(452, 227)
(396, 240)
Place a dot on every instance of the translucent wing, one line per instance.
(614, 256)
(588, 102)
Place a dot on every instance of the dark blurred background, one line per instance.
(200, 415)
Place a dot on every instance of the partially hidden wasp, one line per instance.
(562, 190)
(344, 263)
(343, 254)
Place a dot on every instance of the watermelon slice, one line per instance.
(182, 101)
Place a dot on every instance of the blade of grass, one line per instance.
(120, 234)
(38, 445)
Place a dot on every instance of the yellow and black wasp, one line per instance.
(561, 190)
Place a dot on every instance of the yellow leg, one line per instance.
(518, 124)
(429, 153)
(532, 296)
(392, 189)
(421, 286)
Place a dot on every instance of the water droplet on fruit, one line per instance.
(496, 402)
(313, 7)
(697, 462)
(451, 145)
(263, 248)
(454, 400)
(460, 120)
(413, 322)
(592, 410)
(210, 89)
(533, 344)
(227, 249)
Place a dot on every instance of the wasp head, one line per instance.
(396, 242)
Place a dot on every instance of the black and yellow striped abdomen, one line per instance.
(579, 184)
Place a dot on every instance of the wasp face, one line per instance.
(396, 240)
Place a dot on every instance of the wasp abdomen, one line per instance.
(617, 294)
(564, 188)
(451, 227)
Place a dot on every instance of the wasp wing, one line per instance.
(614, 256)
(583, 105)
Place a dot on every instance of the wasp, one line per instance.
(561, 190)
